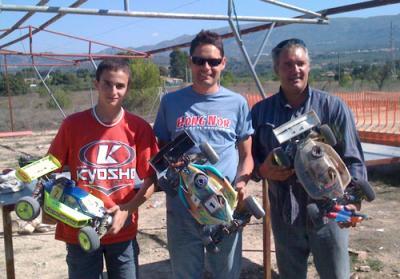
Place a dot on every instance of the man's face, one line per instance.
(293, 69)
(205, 77)
(112, 88)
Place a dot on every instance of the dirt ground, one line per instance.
(374, 244)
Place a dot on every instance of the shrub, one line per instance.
(62, 99)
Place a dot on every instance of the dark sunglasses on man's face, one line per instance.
(200, 61)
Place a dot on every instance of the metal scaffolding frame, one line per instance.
(56, 59)
(308, 17)
(74, 9)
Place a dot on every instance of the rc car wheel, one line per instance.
(27, 208)
(281, 158)
(367, 192)
(315, 214)
(88, 239)
(327, 135)
(209, 152)
(206, 239)
(254, 207)
(212, 248)
(170, 187)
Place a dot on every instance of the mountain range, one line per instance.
(364, 39)
(342, 35)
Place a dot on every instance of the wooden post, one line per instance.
(266, 232)
(8, 244)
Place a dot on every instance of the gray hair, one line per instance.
(287, 44)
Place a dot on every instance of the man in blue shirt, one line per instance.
(209, 113)
(294, 234)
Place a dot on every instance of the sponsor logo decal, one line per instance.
(210, 121)
(106, 153)
(106, 166)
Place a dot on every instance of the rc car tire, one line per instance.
(88, 239)
(206, 239)
(27, 208)
(209, 152)
(327, 134)
(254, 207)
(167, 187)
(281, 158)
(367, 192)
(212, 248)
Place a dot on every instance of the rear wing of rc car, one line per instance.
(38, 168)
(296, 126)
(171, 152)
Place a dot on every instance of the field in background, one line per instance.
(30, 112)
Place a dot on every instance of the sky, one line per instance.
(135, 32)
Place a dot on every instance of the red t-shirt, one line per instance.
(104, 161)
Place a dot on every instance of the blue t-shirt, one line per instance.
(222, 119)
(275, 111)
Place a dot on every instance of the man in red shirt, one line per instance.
(105, 147)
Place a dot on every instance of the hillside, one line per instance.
(343, 35)
(361, 39)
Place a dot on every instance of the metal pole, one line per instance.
(49, 91)
(48, 73)
(264, 42)
(244, 51)
(291, 7)
(50, 21)
(266, 225)
(91, 91)
(126, 5)
(103, 12)
(22, 20)
(10, 105)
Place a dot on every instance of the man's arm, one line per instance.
(245, 166)
(123, 211)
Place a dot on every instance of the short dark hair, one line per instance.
(206, 37)
(286, 44)
(114, 64)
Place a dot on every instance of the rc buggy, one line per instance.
(63, 201)
(203, 190)
(306, 146)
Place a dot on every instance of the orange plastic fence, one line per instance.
(377, 114)
(15, 134)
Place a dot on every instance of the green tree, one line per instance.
(178, 63)
(145, 85)
(164, 71)
(227, 78)
(145, 74)
(345, 79)
(14, 83)
(62, 98)
(379, 73)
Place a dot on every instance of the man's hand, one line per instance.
(270, 170)
(241, 191)
(120, 216)
(354, 220)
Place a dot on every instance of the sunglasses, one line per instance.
(200, 61)
(293, 41)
